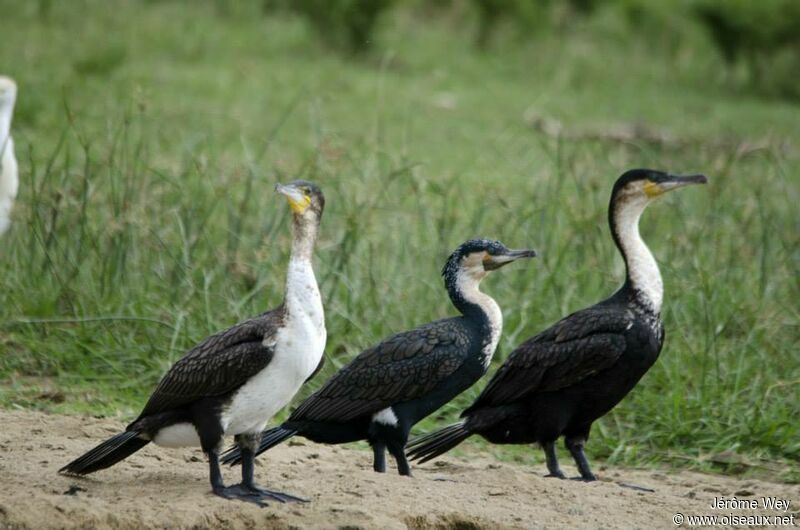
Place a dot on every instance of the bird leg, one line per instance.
(575, 446)
(247, 490)
(379, 458)
(248, 465)
(237, 491)
(399, 454)
(552, 460)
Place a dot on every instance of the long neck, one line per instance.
(302, 292)
(465, 293)
(643, 277)
(479, 307)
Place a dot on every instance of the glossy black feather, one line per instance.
(401, 368)
(576, 347)
(106, 454)
(218, 365)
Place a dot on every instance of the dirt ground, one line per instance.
(168, 488)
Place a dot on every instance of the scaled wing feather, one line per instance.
(403, 367)
(218, 365)
(571, 350)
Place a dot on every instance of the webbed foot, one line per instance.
(254, 495)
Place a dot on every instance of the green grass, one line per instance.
(150, 135)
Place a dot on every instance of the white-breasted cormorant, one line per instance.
(233, 382)
(388, 388)
(9, 178)
(563, 379)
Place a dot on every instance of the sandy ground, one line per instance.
(168, 488)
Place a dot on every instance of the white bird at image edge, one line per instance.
(9, 178)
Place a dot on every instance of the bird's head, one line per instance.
(476, 258)
(642, 186)
(8, 92)
(305, 199)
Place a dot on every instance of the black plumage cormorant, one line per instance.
(388, 388)
(563, 379)
(233, 382)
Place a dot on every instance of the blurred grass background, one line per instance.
(150, 135)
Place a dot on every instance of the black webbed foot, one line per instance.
(637, 488)
(254, 495)
(556, 474)
(240, 493)
(588, 478)
(275, 495)
(247, 490)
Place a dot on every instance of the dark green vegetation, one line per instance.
(759, 41)
(150, 135)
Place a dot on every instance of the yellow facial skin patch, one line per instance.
(652, 189)
(300, 206)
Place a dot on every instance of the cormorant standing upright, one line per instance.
(563, 379)
(233, 382)
(388, 388)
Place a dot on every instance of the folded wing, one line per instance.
(403, 367)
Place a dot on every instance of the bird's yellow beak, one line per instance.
(298, 201)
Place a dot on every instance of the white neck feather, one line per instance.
(302, 291)
(468, 284)
(643, 270)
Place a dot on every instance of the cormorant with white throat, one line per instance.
(233, 382)
(388, 388)
(9, 178)
(563, 379)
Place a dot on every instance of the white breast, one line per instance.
(298, 348)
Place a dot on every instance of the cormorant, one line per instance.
(9, 179)
(563, 379)
(388, 388)
(233, 382)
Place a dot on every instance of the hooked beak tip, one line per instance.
(526, 253)
(691, 179)
(282, 189)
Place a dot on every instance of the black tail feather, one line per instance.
(108, 453)
(269, 439)
(432, 445)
